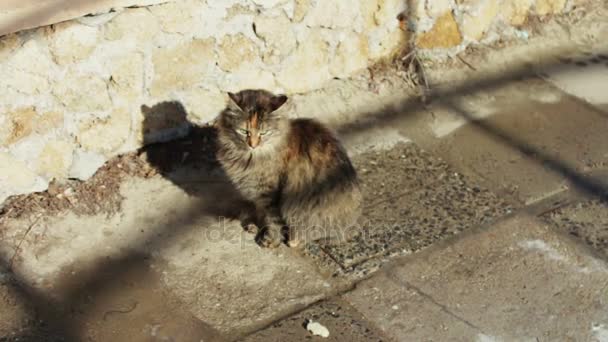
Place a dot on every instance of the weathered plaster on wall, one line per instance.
(73, 91)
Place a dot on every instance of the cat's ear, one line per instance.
(234, 101)
(277, 101)
(235, 97)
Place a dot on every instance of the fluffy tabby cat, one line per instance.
(295, 172)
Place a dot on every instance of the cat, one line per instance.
(295, 172)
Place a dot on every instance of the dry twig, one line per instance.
(18, 249)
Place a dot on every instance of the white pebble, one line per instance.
(317, 329)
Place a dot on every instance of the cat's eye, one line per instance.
(265, 132)
(242, 131)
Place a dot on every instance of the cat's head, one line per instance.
(251, 120)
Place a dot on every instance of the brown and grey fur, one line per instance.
(296, 172)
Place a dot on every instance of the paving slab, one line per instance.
(221, 280)
(343, 322)
(518, 280)
(583, 74)
(412, 200)
(587, 220)
(537, 142)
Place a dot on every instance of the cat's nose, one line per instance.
(254, 141)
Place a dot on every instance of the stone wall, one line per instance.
(76, 93)
(448, 26)
(72, 93)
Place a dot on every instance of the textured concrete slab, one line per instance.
(217, 277)
(587, 221)
(516, 281)
(583, 74)
(413, 200)
(343, 322)
(537, 142)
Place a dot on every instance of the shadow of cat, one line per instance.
(189, 162)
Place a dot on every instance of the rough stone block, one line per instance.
(83, 92)
(182, 67)
(477, 22)
(544, 7)
(127, 82)
(300, 10)
(235, 51)
(203, 105)
(436, 8)
(385, 42)
(306, 68)
(85, 164)
(71, 42)
(351, 55)
(387, 11)
(8, 44)
(122, 26)
(55, 160)
(16, 178)
(177, 16)
(444, 34)
(277, 33)
(516, 12)
(368, 10)
(17, 125)
(250, 77)
(335, 14)
(26, 69)
(106, 135)
(21, 123)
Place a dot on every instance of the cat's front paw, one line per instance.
(250, 227)
(269, 238)
(295, 243)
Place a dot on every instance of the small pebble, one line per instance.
(317, 329)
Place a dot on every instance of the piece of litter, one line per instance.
(317, 329)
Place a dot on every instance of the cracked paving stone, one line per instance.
(517, 280)
(587, 221)
(412, 200)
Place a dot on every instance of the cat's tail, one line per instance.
(330, 215)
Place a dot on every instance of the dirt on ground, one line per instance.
(101, 193)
